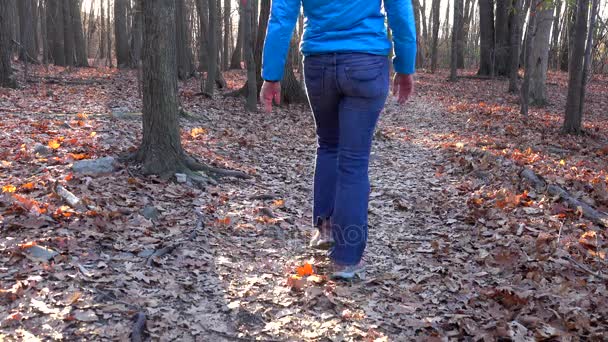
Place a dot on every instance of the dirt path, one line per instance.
(456, 250)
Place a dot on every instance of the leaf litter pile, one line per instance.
(462, 245)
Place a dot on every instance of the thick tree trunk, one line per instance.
(203, 24)
(503, 46)
(55, 31)
(68, 33)
(540, 55)
(6, 33)
(588, 60)
(121, 35)
(185, 62)
(435, 11)
(456, 44)
(574, 115)
(213, 48)
(26, 30)
(136, 34)
(486, 29)
(161, 150)
(78, 34)
(237, 55)
(291, 89)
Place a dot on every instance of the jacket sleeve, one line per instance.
(283, 18)
(401, 21)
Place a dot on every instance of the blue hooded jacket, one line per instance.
(334, 26)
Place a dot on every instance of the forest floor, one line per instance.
(460, 248)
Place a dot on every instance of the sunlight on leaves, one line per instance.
(305, 270)
(9, 188)
(54, 144)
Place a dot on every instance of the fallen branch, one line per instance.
(68, 197)
(586, 269)
(56, 80)
(137, 333)
(541, 185)
(168, 249)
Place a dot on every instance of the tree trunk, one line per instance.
(185, 62)
(588, 60)
(237, 55)
(486, 29)
(567, 34)
(531, 31)
(6, 33)
(554, 51)
(203, 24)
(68, 33)
(464, 31)
(213, 48)
(55, 31)
(419, 49)
(503, 46)
(574, 115)
(515, 33)
(26, 30)
(136, 34)
(78, 34)
(121, 35)
(161, 150)
(456, 28)
(103, 33)
(42, 10)
(540, 55)
(227, 34)
(109, 60)
(252, 93)
(291, 89)
(435, 11)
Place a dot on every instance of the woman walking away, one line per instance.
(345, 46)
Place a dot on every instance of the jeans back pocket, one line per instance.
(369, 80)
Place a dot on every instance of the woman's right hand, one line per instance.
(270, 91)
(403, 87)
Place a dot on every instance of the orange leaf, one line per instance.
(305, 270)
(78, 156)
(9, 188)
(27, 245)
(54, 144)
(69, 177)
(28, 186)
(224, 221)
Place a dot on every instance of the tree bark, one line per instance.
(227, 34)
(213, 48)
(161, 150)
(567, 34)
(486, 30)
(185, 62)
(573, 116)
(55, 31)
(136, 34)
(103, 33)
(121, 35)
(109, 60)
(26, 30)
(456, 28)
(78, 34)
(291, 89)
(252, 93)
(435, 11)
(554, 51)
(515, 33)
(587, 60)
(203, 24)
(531, 31)
(6, 33)
(237, 55)
(503, 46)
(540, 55)
(68, 33)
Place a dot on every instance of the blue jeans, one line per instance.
(347, 92)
